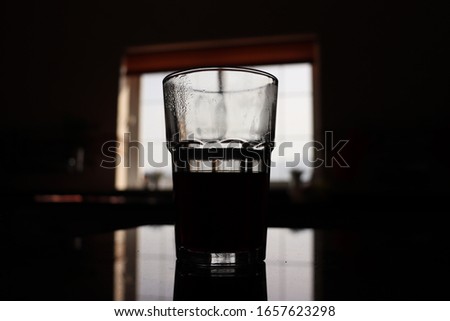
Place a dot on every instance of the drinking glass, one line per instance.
(220, 127)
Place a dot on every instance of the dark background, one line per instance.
(383, 85)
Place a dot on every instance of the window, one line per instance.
(141, 112)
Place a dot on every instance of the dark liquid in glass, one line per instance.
(221, 212)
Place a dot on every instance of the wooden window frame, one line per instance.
(234, 52)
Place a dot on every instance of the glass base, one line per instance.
(221, 259)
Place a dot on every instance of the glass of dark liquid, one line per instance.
(220, 127)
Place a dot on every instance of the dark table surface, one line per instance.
(101, 248)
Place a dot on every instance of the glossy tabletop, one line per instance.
(286, 275)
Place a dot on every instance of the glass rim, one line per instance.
(222, 68)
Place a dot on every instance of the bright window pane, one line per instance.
(152, 132)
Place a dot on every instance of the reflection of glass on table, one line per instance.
(220, 283)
